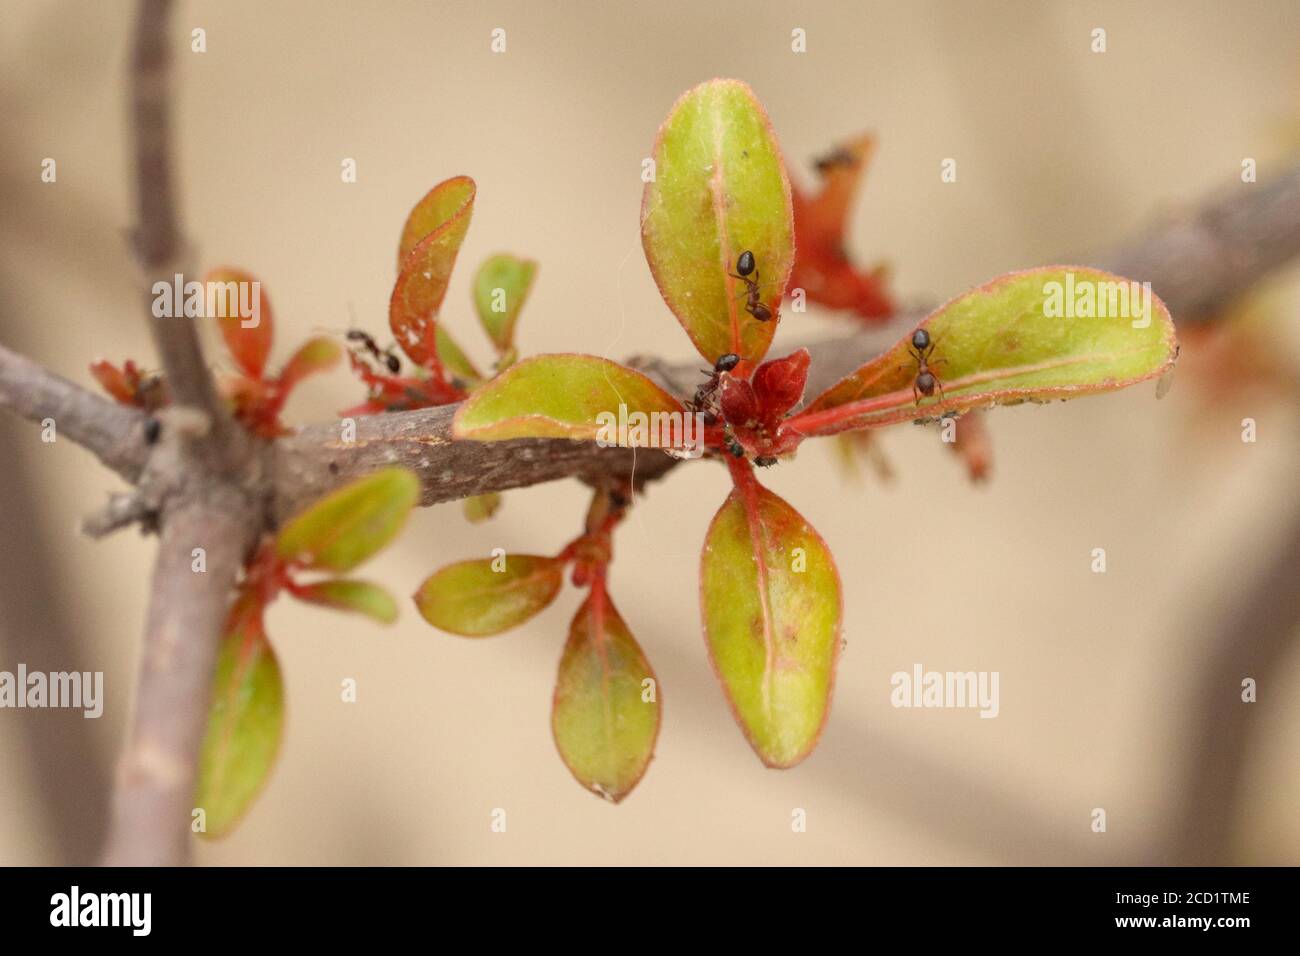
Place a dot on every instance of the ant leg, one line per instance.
(916, 395)
(939, 385)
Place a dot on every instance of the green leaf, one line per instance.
(348, 526)
(480, 508)
(453, 357)
(1004, 343)
(720, 189)
(431, 239)
(500, 288)
(481, 598)
(244, 724)
(348, 595)
(568, 396)
(605, 716)
(771, 602)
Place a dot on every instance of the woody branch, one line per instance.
(208, 485)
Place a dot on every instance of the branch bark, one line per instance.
(112, 432)
(212, 487)
(154, 794)
(205, 479)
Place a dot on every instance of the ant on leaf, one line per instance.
(922, 351)
(746, 266)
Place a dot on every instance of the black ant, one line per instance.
(926, 381)
(746, 265)
(704, 394)
(391, 361)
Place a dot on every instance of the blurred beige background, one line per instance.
(1060, 152)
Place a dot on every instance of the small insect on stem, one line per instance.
(385, 356)
(746, 266)
(765, 461)
(703, 400)
(922, 352)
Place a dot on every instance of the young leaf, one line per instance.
(1025, 336)
(114, 380)
(431, 239)
(346, 594)
(779, 384)
(720, 189)
(315, 355)
(605, 716)
(348, 526)
(771, 601)
(474, 599)
(249, 344)
(564, 396)
(481, 507)
(453, 357)
(500, 288)
(821, 267)
(244, 724)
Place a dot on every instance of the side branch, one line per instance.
(159, 246)
(113, 433)
(1197, 262)
(1201, 259)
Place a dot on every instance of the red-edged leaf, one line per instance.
(482, 598)
(349, 525)
(605, 714)
(346, 594)
(431, 239)
(1006, 342)
(243, 312)
(720, 189)
(581, 397)
(114, 381)
(244, 724)
(771, 601)
(315, 355)
(822, 267)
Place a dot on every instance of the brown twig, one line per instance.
(154, 794)
(112, 432)
(203, 483)
(210, 486)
